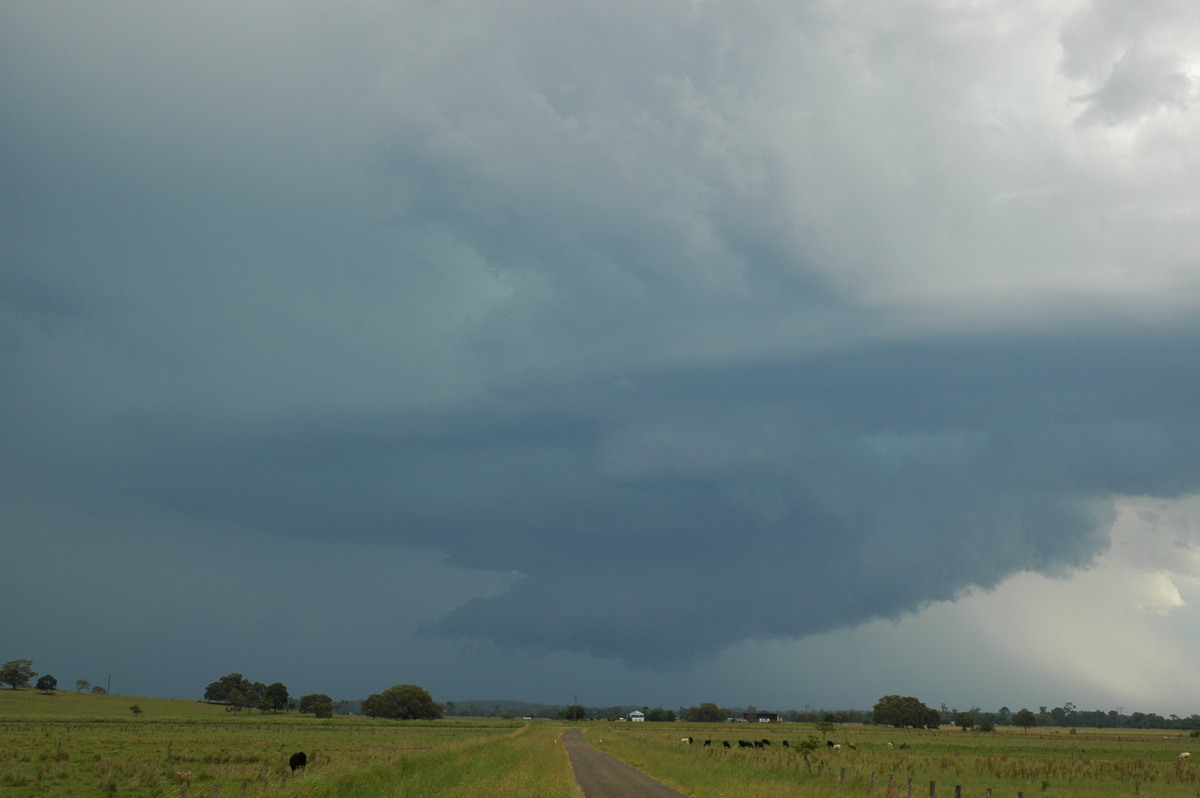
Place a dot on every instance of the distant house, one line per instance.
(637, 716)
(765, 717)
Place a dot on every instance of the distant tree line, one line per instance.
(238, 693)
(18, 673)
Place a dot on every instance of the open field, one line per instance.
(1047, 762)
(70, 744)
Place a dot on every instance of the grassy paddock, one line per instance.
(1091, 763)
(71, 744)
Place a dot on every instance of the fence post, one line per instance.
(910, 785)
(842, 775)
(932, 789)
(957, 791)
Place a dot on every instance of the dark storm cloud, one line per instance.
(675, 512)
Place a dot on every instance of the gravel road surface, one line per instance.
(602, 775)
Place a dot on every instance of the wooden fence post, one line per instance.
(932, 789)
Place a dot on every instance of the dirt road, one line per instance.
(602, 775)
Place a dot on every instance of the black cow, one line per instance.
(766, 741)
(829, 743)
(298, 761)
(785, 744)
(707, 743)
(726, 744)
(745, 744)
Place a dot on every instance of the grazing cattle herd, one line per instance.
(830, 744)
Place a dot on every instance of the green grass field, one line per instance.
(1047, 762)
(71, 744)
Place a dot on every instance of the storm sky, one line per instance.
(764, 353)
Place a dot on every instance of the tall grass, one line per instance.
(1095, 764)
(528, 762)
(89, 745)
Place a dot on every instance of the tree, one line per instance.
(47, 684)
(402, 702)
(964, 721)
(236, 691)
(318, 704)
(221, 690)
(17, 673)
(136, 710)
(900, 711)
(81, 685)
(807, 747)
(705, 713)
(275, 697)
(574, 712)
(1025, 719)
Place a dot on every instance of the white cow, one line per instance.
(1185, 756)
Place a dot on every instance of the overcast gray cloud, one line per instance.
(649, 332)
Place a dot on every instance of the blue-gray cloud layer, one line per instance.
(733, 323)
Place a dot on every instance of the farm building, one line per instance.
(636, 716)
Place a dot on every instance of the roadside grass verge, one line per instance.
(527, 762)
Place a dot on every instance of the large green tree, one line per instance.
(705, 713)
(274, 697)
(402, 702)
(47, 684)
(1025, 719)
(17, 673)
(235, 690)
(900, 711)
(318, 704)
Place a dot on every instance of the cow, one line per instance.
(1185, 756)
(766, 741)
(707, 743)
(836, 747)
(852, 746)
(785, 744)
(298, 761)
(686, 741)
(745, 744)
(830, 743)
(726, 744)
